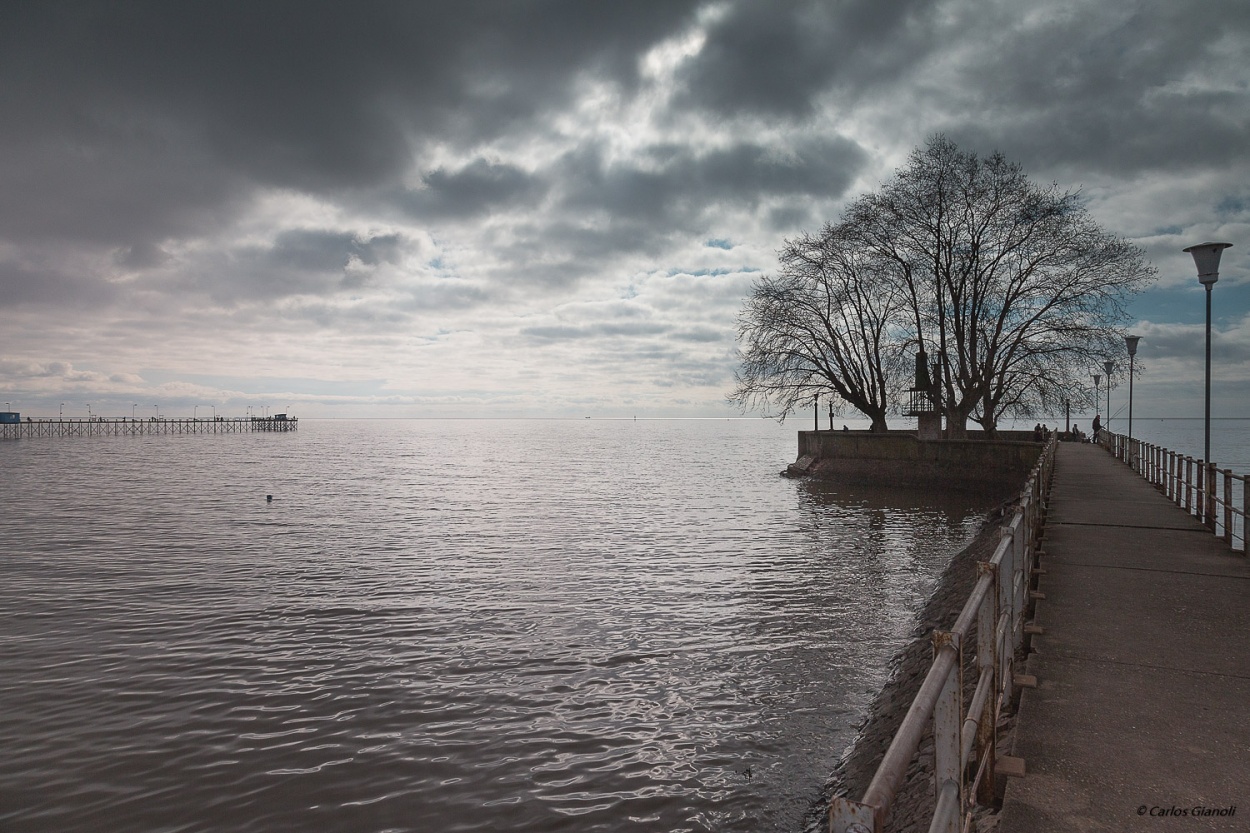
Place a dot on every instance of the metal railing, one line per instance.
(1202, 489)
(964, 740)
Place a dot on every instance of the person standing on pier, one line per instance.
(1096, 427)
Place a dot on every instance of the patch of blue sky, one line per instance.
(711, 273)
(1185, 305)
(1232, 206)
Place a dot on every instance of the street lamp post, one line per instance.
(1097, 379)
(1207, 259)
(132, 411)
(1108, 366)
(60, 414)
(1131, 343)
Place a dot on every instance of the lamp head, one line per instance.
(1131, 343)
(1108, 366)
(1097, 379)
(1207, 259)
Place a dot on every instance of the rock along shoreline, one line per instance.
(913, 805)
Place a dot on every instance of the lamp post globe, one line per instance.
(1207, 259)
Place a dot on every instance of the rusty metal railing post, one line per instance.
(1245, 515)
(987, 662)
(1209, 511)
(1006, 608)
(947, 719)
(1200, 489)
(846, 816)
(1228, 506)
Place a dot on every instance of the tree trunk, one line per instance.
(956, 426)
(990, 426)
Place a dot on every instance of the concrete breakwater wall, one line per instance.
(900, 458)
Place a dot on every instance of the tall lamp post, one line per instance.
(1131, 343)
(1207, 259)
(1097, 379)
(1108, 366)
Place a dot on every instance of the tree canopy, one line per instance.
(1011, 288)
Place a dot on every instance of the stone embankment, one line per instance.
(913, 805)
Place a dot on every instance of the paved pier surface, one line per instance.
(1142, 710)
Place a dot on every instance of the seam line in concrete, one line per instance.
(1146, 665)
(1067, 563)
(1131, 526)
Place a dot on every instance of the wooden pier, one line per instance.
(100, 426)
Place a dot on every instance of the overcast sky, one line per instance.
(554, 208)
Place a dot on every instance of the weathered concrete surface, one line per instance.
(1143, 703)
(902, 459)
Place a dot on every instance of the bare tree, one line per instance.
(1012, 287)
(826, 322)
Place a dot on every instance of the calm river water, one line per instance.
(443, 625)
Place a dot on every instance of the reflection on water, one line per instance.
(577, 625)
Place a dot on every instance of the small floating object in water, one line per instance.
(268, 498)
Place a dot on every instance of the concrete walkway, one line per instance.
(1142, 710)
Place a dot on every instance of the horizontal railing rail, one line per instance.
(1201, 488)
(964, 740)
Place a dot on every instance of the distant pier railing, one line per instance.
(1201, 488)
(964, 741)
(100, 426)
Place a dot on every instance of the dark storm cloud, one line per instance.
(124, 117)
(1145, 86)
(296, 262)
(476, 188)
(330, 251)
(775, 58)
(674, 185)
(51, 285)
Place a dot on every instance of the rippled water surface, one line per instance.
(443, 625)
